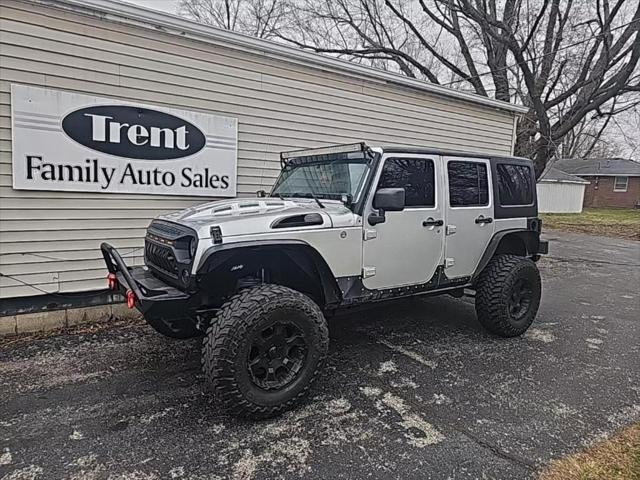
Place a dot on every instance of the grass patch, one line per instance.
(610, 222)
(617, 458)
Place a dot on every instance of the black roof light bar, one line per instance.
(285, 157)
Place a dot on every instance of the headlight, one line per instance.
(193, 246)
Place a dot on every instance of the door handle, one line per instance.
(482, 220)
(430, 222)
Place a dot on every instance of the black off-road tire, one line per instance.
(496, 287)
(228, 345)
(180, 329)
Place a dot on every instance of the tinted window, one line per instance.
(515, 186)
(415, 175)
(468, 185)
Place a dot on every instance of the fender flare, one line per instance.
(216, 255)
(530, 238)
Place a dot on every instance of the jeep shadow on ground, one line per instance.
(430, 322)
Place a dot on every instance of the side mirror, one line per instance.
(261, 194)
(387, 200)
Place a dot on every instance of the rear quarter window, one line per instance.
(515, 184)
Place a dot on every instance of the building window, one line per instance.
(468, 186)
(415, 175)
(620, 184)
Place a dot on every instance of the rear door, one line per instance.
(469, 213)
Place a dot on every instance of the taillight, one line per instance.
(131, 299)
(112, 281)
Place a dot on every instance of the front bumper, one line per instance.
(156, 300)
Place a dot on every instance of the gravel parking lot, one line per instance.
(412, 389)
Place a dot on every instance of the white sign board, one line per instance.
(80, 143)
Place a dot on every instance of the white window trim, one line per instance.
(616, 188)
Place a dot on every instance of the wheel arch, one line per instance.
(290, 263)
(524, 243)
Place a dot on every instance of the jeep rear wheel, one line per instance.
(263, 350)
(508, 295)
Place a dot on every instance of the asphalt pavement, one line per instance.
(412, 389)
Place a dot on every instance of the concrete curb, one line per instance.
(57, 319)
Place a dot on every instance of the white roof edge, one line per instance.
(173, 24)
(546, 180)
(580, 174)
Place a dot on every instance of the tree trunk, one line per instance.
(530, 145)
(545, 151)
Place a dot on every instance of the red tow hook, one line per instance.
(112, 281)
(131, 299)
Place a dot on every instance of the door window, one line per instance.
(415, 175)
(468, 185)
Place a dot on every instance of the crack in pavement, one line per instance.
(590, 261)
(497, 451)
(442, 422)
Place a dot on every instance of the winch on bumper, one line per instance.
(158, 302)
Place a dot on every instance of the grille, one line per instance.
(166, 230)
(161, 257)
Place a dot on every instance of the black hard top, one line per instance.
(452, 153)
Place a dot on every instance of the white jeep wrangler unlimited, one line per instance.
(343, 226)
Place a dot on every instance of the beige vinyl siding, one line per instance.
(51, 239)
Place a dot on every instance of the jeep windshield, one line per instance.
(338, 179)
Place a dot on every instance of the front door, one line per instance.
(408, 247)
(469, 214)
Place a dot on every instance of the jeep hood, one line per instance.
(246, 216)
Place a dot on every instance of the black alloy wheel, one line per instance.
(520, 300)
(277, 355)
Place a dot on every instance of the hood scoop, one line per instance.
(300, 220)
(244, 208)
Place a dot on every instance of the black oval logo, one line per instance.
(133, 132)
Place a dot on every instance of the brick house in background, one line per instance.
(613, 182)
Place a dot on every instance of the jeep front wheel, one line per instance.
(263, 350)
(508, 295)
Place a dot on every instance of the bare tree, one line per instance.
(612, 134)
(258, 18)
(590, 139)
(564, 60)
